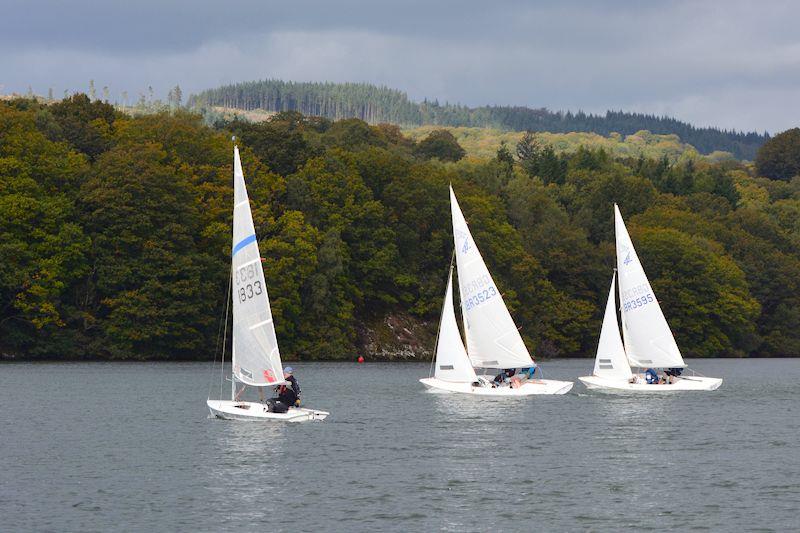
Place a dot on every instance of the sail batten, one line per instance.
(256, 356)
(493, 340)
(648, 339)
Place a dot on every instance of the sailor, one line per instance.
(522, 376)
(672, 374)
(503, 377)
(651, 376)
(288, 394)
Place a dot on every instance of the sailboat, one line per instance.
(256, 359)
(493, 340)
(648, 340)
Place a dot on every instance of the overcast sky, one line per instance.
(719, 63)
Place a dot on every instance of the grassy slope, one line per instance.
(484, 142)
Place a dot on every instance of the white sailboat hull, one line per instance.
(234, 410)
(689, 383)
(529, 388)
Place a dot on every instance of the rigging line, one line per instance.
(216, 344)
(225, 334)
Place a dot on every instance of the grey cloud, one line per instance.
(729, 64)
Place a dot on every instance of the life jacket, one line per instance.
(289, 394)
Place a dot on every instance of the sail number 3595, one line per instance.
(638, 302)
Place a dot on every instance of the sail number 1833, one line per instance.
(246, 286)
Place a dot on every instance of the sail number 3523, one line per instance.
(479, 298)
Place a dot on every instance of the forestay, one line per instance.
(611, 361)
(256, 359)
(452, 363)
(648, 339)
(493, 340)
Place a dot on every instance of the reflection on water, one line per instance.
(392, 457)
(250, 454)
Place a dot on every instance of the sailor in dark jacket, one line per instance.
(288, 393)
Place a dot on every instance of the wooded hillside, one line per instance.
(115, 236)
(380, 104)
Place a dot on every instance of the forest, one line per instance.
(375, 105)
(115, 235)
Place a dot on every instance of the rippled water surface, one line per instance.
(114, 446)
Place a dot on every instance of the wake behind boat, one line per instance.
(493, 340)
(648, 340)
(256, 359)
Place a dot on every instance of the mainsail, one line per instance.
(256, 359)
(452, 363)
(649, 341)
(611, 360)
(493, 340)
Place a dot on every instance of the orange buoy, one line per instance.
(360, 358)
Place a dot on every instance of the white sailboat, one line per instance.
(493, 340)
(648, 340)
(256, 359)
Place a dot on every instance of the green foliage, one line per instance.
(540, 159)
(85, 124)
(703, 293)
(440, 144)
(483, 143)
(779, 157)
(115, 233)
(147, 270)
(280, 144)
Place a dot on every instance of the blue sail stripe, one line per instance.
(244, 242)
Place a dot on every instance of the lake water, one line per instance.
(116, 446)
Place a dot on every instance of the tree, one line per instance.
(597, 198)
(178, 93)
(353, 134)
(87, 125)
(704, 295)
(280, 144)
(440, 144)
(149, 275)
(175, 96)
(539, 159)
(44, 248)
(779, 157)
(505, 160)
